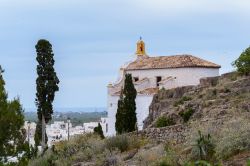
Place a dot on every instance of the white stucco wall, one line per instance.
(184, 76)
(112, 109)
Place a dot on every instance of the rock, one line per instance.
(111, 161)
(130, 155)
(246, 106)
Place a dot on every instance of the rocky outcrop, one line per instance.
(163, 103)
(212, 99)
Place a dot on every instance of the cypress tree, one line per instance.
(46, 85)
(98, 130)
(120, 116)
(126, 112)
(129, 103)
(12, 135)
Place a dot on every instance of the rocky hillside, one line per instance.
(219, 106)
(216, 98)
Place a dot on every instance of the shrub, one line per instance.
(214, 92)
(150, 156)
(120, 142)
(163, 162)
(234, 77)
(186, 114)
(182, 100)
(124, 143)
(98, 131)
(248, 162)
(234, 138)
(205, 147)
(47, 159)
(198, 163)
(227, 90)
(170, 158)
(243, 62)
(80, 148)
(163, 122)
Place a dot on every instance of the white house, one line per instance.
(152, 73)
(89, 127)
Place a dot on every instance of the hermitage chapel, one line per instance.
(151, 73)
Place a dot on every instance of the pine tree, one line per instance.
(12, 135)
(46, 85)
(243, 62)
(126, 113)
(98, 130)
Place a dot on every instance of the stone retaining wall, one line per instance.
(175, 134)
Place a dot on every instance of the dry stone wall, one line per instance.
(175, 134)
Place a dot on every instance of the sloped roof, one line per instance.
(175, 61)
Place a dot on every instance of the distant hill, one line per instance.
(78, 116)
(72, 109)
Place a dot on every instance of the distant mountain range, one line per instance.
(76, 109)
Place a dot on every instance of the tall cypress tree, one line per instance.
(126, 113)
(12, 136)
(129, 103)
(120, 116)
(46, 85)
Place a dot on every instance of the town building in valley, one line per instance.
(151, 73)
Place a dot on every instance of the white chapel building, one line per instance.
(151, 74)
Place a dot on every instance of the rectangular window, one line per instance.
(158, 79)
(136, 79)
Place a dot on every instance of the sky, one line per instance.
(92, 38)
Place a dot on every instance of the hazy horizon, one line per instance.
(72, 109)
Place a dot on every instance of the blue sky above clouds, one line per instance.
(92, 38)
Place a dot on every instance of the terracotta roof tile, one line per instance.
(175, 61)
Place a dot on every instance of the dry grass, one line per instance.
(91, 149)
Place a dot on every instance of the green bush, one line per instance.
(243, 62)
(248, 162)
(186, 114)
(182, 100)
(163, 122)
